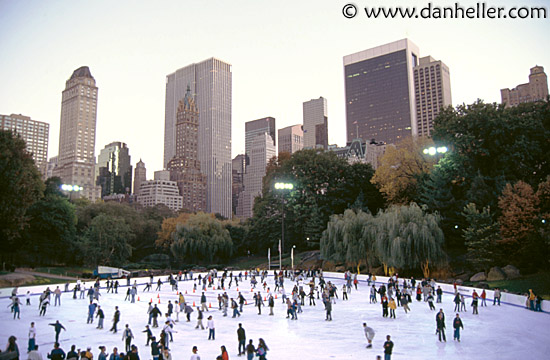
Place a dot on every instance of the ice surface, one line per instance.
(505, 332)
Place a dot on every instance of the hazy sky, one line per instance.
(282, 54)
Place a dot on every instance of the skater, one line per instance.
(32, 338)
(328, 308)
(57, 327)
(262, 349)
(439, 293)
(116, 319)
(388, 348)
(241, 336)
(199, 319)
(405, 303)
(462, 303)
(392, 307)
(101, 316)
(91, 312)
(127, 336)
(16, 307)
(57, 353)
(195, 356)
(474, 304)
(57, 293)
(344, 292)
(149, 334)
(430, 299)
(384, 302)
(369, 333)
(188, 310)
(271, 304)
(155, 313)
(457, 302)
(203, 303)
(440, 323)
(457, 324)
(250, 350)
(483, 298)
(235, 308)
(496, 297)
(28, 297)
(224, 355)
(43, 306)
(211, 328)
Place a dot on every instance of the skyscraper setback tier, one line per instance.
(315, 125)
(210, 83)
(76, 159)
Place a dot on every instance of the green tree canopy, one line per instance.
(480, 236)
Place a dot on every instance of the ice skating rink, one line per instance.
(505, 332)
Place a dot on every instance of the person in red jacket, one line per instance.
(483, 297)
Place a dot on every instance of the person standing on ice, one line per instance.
(127, 336)
(101, 316)
(116, 319)
(496, 297)
(372, 294)
(457, 302)
(211, 328)
(43, 306)
(241, 336)
(155, 313)
(369, 334)
(91, 312)
(392, 307)
(32, 337)
(388, 348)
(483, 298)
(440, 323)
(57, 293)
(457, 324)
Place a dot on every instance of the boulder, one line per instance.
(511, 272)
(480, 276)
(463, 277)
(496, 274)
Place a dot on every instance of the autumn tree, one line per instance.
(400, 167)
(519, 208)
(165, 237)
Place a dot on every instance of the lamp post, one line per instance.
(282, 186)
(292, 256)
(70, 189)
(435, 150)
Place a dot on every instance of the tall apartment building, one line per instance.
(261, 150)
(291, 139)
(185, 168)
(160, 191)
(114, 169)
(432, 88)
(34, 133)
(76, 159)
(140, 176)
(210, 82)
(536, 89)
(237, 185)
(315, 123)
(379, 85)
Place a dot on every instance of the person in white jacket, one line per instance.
(211, 328)
(369, 333)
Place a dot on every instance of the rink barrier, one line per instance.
(506, 298)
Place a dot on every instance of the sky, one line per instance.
(282, 54)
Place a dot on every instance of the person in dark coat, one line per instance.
(116, 319)
(57, 326)
(440, 322)
(457, 324)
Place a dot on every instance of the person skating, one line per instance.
(405, 303)
(57, 327)
(57, 293)
(155, 348)
(224, 355)
(32, 338)
(91, 312)
(199, 319)
(474, 303)
(241, 336)
(34, 354)
(457, 324)
(262, 349)
(43, 306)
(211, 328)
(114, 355)
(384, 302)
(154, 314)
(457, 301)
(392, 307)
(116, 319)
(440, 323)
(388, 348)
(250, 350)
(195, 355)
(16, 307)
(101, 316)
(430, 299)
(439, 293)
(73, 354)
(328, 309)
(102, 354)
(483, 298)
(369, 334)
(496, 296)
(149, 334)
(127, 336)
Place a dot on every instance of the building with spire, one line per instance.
(185, 167)
(140, 176)
(76, 159)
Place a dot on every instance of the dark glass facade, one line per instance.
(377, 98)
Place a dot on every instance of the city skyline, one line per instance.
(272, 73)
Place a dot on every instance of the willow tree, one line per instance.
(407, 237)
(203, 238)
(347, 238)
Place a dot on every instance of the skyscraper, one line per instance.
(258, 127)
(535, 89)
(261, 150)
(238, 170)
(291, 139)
(185, 168)
(315, 123)
(36, 135)
(76, 159)
(379, 85)
(140, 176)
(210, 83)
(114, 169)
(432, 88)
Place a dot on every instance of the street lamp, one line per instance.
(435, 150)
(292, 256)
(71, 188)
(282, 186)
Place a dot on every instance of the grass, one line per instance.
(539, 282)
(63, 271)
(38, 280)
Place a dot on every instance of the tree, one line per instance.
(165, 237)
(480, 237)
(20, 187)
(51, 238)
(202, 239)
(400, 168)
(106, 241)
(407, 237)
(519, 207)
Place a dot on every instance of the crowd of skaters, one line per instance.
(391, 295)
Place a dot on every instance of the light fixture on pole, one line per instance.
(282, 186)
